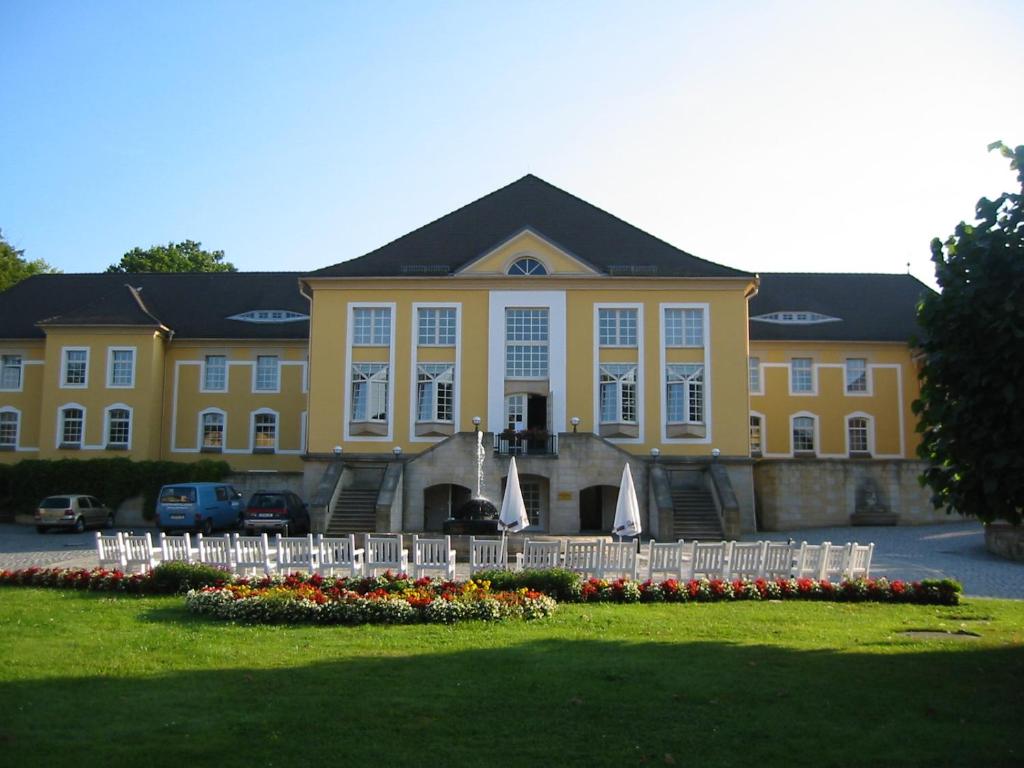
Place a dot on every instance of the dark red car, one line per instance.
(276, 512)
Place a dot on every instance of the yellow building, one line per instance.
(528, 323)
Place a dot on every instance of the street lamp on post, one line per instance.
(397, 450)
(575, 421)
(476, 423)
(715, 453)
(655, 453)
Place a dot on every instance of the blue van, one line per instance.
(198, 507)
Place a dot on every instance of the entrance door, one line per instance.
(537, 412)
(591, 512)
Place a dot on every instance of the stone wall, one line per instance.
(1005, 540)
(809, 493)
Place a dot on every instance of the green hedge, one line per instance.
(112, 481)
(563, 585)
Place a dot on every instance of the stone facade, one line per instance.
(828, 492)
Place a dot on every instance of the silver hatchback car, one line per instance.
(74, 511)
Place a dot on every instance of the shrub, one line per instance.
(565, 586)
(174, 578)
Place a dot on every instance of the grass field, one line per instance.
(89, 679)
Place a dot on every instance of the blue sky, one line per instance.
(767, 136)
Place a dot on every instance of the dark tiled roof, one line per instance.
(193, 305)
(871, 307)
(594, 236)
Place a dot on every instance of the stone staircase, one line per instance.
(355, 511)
(694, 516)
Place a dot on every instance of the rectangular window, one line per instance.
(71, 422)
(684, 327)
(371, 326)
(8, 430)
(370, 392)
(685, 401)
(803, 434)
(755, 434)
(264, 427)
(858, 431)
(618, 394)
(10, 371)
(213, 431)
(119, 424)
(266, 373)
(801, 374)
(434, 392)
(76, 367)
(436, 327)
(617, 327)
(755, 375)
(531, 500)
(121, 368)
(215, 373)
(515, 412)
(526, 343)
(856, 374)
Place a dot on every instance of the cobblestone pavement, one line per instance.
(955, 550)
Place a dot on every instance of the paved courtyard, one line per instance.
(955, 550)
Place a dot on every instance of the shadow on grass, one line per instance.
(541, 702)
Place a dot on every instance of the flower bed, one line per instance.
(97, 579)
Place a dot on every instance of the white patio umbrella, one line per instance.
(513, 517)
(627, 511)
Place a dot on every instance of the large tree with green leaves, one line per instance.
(971, 407)
(14, 267)
(186, 256)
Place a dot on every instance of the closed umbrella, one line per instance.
(627, 511)
(513, 517)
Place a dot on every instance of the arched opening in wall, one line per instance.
(597, 508)
(536, 490)
(439, 501)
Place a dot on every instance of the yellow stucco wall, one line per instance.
(26, 400)
(893, 386)
(526, 244)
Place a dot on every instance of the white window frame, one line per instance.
(20, 368)
(253, 448)
(869, 433)
(435, 378)
(867, 391)
(792, 378)
(616, 315)
(64, 368)
(529, 344)
(762, 429)
(815, 433)
(110, 367)
(204, 382)
(106, 426)
(708, 437)
(374, 311)
(201, 433)
(685, 340)
(755, 375)
(372, 381)
(256, 375)
(423, 311)
(59, 437)
(17, 428)
(388, 361)
(620, 383)
(687, 382)
(515, 405)
(535, 267)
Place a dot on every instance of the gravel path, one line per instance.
(955, 550)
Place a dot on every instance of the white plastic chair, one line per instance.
(433, 555)
(834, 561)
(110, 551)
(216, 551)
(859, 564)
(583, 557)
(296, 553)
(778, 560)
(139, 553)
(618, 560)
(339, 554)
(810, 560)
(746, 560)
(487, 554)
(539, 555)
(666, 559)
(709, 559)
(252, 554)
(177, 549)
(385, 552)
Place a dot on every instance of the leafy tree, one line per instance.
(186, 256)
(971, 407)
(14, 267)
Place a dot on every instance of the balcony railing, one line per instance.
(525, 444)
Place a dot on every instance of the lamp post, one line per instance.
(575, 421)
(337, 451)
(655, 453)
(476, 423)
(397, 450)
(715, 453)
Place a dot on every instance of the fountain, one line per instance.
(478, 515)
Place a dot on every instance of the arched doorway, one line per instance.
(597, 508)
(439, 501)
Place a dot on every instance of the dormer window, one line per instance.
(269, 316)
(528, 266)
(796, 318)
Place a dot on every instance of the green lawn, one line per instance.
(89, 679)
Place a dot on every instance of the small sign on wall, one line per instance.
(565, 495)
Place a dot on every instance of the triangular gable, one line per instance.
(527, 243)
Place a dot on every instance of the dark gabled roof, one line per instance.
(870, 307)
(583, 230)
(194, 304)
